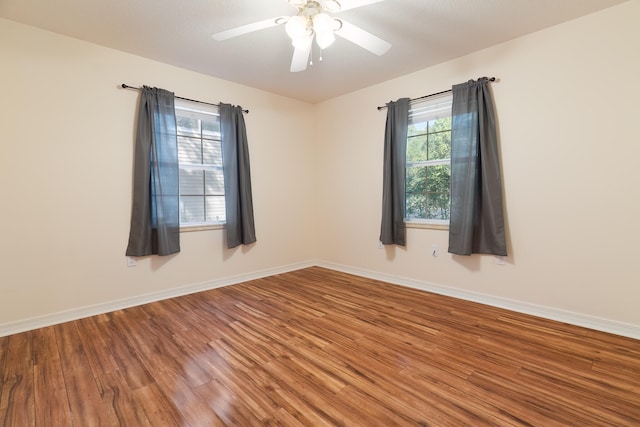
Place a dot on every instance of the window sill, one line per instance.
(426, 225)
(190, 228)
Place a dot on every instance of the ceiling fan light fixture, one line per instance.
(313, 20)
(296, 27)
(323, 26)
(325, 40)
(322, 23)
(302, 42)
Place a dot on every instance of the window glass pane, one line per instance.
(415, 206)
(428, 159)
(416, 180)
(438, 178)
(212, 152)
(191, 209)
(417, 148)
(438, 125)
(440, 145)
(189, 150)
(437, 192)
(415, 192)
(437, 206)
(188, 126)
(215, 208)
(200, 162)
(417, 128)
(214, 182)
(191, 182)
(211, 129)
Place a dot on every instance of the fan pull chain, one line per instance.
(311, 56)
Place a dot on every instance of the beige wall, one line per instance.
(567, 108)
(65, 177)
(568, 112)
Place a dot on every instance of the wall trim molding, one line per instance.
(93, 310)
(591, 322)
(577, 319)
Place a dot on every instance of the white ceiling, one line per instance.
(178, 32)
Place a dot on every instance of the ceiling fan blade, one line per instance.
(300, 57)
(301, 54)
(249, 28)
(352, 4)
(363, 38)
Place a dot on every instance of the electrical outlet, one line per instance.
(131, 261)
(500, 260)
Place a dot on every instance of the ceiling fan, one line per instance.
(313, 21)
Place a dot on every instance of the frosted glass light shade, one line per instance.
(323, 26)
(322, 23)
(296, 27)
(325, 40)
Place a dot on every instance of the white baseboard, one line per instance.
(92, 310)
(604, 325)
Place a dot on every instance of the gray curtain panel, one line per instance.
(392, 229)
(477, 220)
(155, 217)
(237, 177)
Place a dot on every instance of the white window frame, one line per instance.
(429, 109)
(195, 110)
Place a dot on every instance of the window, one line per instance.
(428, 166)
(200, 162)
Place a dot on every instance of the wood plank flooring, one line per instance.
(317, 347)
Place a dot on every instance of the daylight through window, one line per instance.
(200, 162)
(429, 161)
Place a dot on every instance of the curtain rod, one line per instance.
(126, 86)
(491, 79)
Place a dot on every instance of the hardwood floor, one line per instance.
(318, 347)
